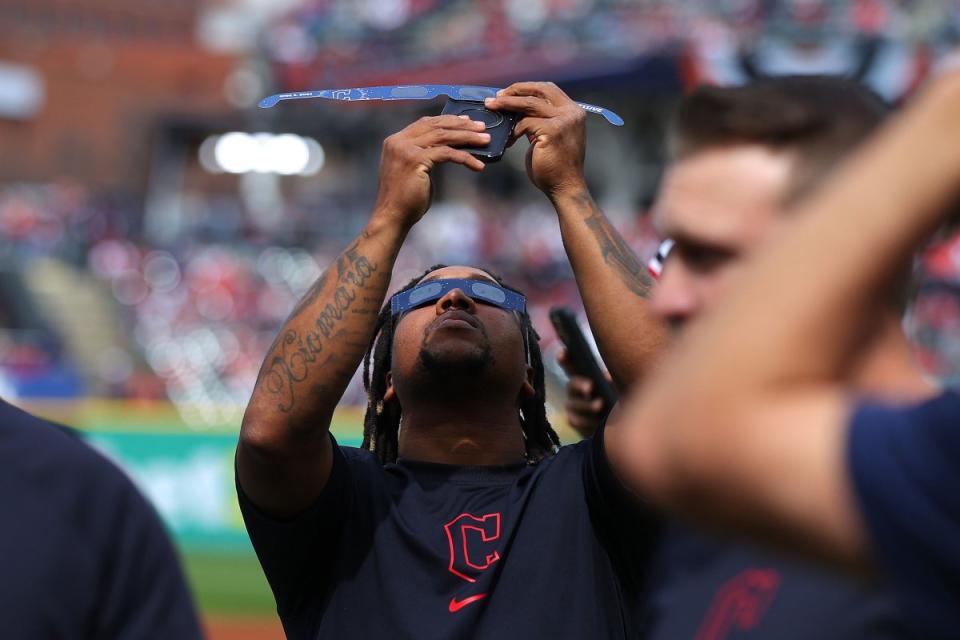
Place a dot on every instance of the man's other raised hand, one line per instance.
(409, 156)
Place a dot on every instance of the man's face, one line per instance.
(458, 338)
(716, 205)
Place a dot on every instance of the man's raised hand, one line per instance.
(556, 129)
(411, 154)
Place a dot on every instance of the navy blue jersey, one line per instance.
(905, 470)
(421, 550)
(705, 588)
(84, 555)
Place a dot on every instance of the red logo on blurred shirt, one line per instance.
(740, 603)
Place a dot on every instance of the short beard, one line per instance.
(456, 370)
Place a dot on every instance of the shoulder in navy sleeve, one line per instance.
(628, 528)
(84, 555)
(298, 554)
(905, 470)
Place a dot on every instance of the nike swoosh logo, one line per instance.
(456, 605)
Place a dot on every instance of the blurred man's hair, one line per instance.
(818, 119)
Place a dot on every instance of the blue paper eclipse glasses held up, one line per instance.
(416, 92)
(482, 291)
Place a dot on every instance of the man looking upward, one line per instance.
(460, 517)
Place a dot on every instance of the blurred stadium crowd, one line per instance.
(894, 41)
(195, 316)
(447, 30)
(122, 294)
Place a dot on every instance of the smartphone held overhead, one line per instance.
(499, 125)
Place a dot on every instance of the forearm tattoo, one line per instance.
(295, 354)
(615, 251)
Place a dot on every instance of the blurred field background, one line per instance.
(156, 227)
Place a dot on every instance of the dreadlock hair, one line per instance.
(381, 424)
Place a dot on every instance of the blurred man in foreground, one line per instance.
(85, 556)
(459, 517)
(782, 443)
(740, 156)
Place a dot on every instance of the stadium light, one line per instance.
(238, 152)
(286, 154)
(235, 152)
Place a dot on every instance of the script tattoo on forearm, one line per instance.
(615, 251)
(294, 355)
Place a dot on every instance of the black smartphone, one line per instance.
(499, 126)
(579, 354)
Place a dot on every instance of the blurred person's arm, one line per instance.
(746, 426)
(614, 284)
(285, 455)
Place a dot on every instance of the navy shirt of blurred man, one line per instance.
(85, 556)
(904, 473)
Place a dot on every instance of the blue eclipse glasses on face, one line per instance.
(483, 291)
